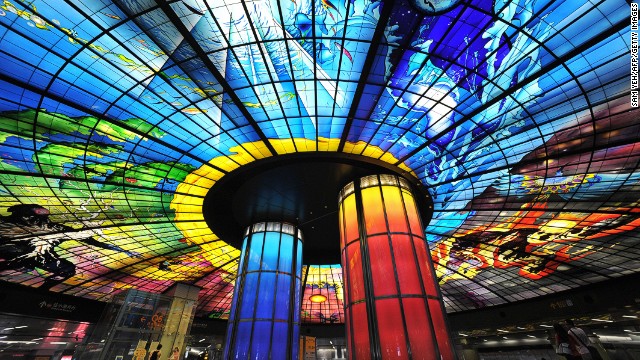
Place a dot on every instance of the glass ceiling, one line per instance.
(116, 117)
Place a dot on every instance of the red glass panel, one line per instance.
(350, 219)
(382, 271)
(412, 214)
(406, 265)
(395, 209)
(427, 276)
(345, 279)
(361, 332)
(439, 325)
(373, 211)
(347, 323)
(393, 344)
(418, 328)
(356, 283)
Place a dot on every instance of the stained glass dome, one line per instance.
(118, 116)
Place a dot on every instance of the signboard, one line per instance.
(307, 348)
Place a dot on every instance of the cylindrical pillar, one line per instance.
(393, 306)
(265, 314)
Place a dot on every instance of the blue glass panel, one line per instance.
(286, 254)
(227, 340)
(271, 251)
(266, 295)
(296, 314)
(255, 252)
(299, 259)
(249, 295)
(283, 296)
(261, 341)
(280, 340)
(243, 336)
(296, 336)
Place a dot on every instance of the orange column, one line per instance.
(393, 307)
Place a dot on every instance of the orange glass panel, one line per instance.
(356, 283)
(341, 224)
(345, 280)
(350, 219)
(395, 209)
(412, 214)
(373, 211)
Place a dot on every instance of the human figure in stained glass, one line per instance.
(28, 239)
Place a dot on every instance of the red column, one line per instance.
(393, 307)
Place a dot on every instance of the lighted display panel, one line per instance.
(265, 313)
(393, 307)
(322, 297)
(117, 117)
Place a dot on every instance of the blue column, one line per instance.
(265, 314)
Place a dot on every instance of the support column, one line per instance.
(179, 317)
(393, 306)
(265, 314)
